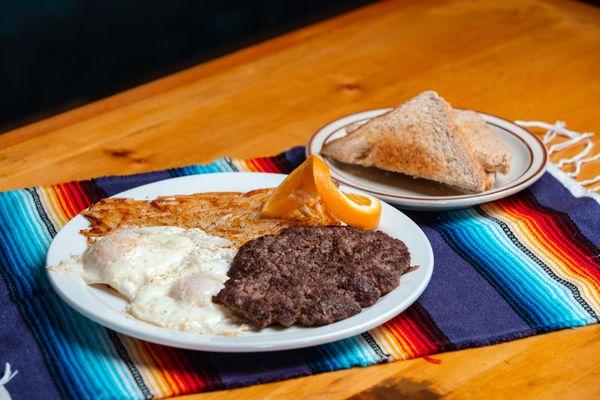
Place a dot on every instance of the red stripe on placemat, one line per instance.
(556, 236)
(414, 329)
(65, 198)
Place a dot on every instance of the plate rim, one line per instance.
(462, 200)
(203, 341)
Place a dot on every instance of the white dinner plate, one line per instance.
(106, 307)
(528, 164)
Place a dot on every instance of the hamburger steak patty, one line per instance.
(312, 275)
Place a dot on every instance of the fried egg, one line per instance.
(184, 302)
(168, 275)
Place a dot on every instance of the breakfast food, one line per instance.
(309, 191)
(492, 154)
(312, 275)
(231, 215)
(426, 138)
(170, 257)
(167, 274)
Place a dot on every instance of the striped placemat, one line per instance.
(521, 266)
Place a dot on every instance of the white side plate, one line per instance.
(528, 165)
(106, 307)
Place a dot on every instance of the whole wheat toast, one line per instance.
(488, 149)
(492, 154)
(417, 138)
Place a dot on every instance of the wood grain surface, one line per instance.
(529, 60)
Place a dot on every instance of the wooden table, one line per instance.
(527, 60)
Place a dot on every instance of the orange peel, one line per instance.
(310, 189)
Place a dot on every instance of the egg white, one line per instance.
(184, 302)
(168, 275)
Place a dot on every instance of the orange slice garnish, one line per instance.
(309, 188)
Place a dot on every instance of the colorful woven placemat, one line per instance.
(521, 266)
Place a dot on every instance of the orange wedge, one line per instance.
(310, 187)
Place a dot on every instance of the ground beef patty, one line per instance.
(312, 275)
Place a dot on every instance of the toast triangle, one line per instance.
(418, 139)
(488, 149)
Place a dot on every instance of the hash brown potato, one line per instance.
(232, 215)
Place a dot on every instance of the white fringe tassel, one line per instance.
(8, 375)
(573, 138)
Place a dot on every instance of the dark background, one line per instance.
(60, 54)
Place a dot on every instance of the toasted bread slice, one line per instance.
(417, 138)
(481, 140)
(488, 149)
